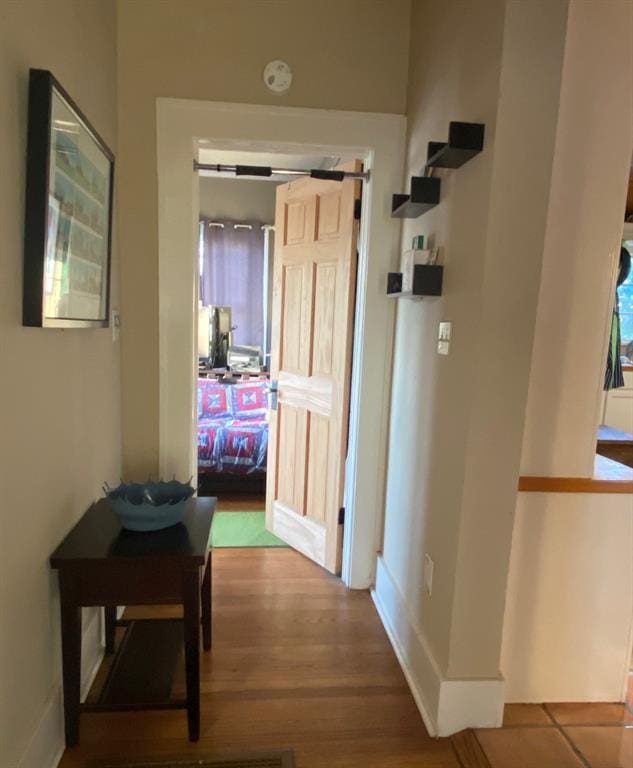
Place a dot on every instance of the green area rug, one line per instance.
(242, 529)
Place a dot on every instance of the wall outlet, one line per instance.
(429, 566)
(444, 338)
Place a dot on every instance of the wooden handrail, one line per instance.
(609, 477)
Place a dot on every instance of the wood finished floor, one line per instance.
(298, 661)
(241, 504)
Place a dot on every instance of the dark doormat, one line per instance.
(271, 759)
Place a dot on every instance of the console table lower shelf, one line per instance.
(143, 668)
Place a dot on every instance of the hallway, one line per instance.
(299, 662)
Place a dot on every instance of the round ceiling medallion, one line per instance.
(277, 76)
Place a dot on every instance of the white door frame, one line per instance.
(379, 140)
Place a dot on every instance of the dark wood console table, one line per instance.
(102, 565)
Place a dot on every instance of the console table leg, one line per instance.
(191, 622)
(71, 663)
(109, 613)
(206, 605)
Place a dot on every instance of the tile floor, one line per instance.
(562, 736)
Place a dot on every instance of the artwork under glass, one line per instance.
(67, 239)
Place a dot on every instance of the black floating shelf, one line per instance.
(465, 140)
(427, 281)
(425, 194)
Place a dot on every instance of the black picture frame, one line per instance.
(68, 217)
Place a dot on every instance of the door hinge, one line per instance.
(341, 516)
(358, 205)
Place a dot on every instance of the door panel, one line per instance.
(324, 315)
(312, 316)
(298, 215)
(318, 469)
(329, 215)
(292, 456)
(293, 285)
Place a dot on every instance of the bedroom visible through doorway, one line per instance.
(234, 340)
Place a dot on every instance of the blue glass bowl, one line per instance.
(149, 506)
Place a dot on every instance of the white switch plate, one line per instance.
(429, 567)
(115, 322)
(444, 338)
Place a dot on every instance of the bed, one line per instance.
(232, 427)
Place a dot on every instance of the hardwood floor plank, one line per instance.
(245, 503)
(298, 661)
(469, 750)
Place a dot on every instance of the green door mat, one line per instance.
(242, 529)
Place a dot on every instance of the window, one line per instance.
(625, 296)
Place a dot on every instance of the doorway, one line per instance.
(254, 431)
(379, 141)
(236, 224)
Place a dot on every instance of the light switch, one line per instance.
(444, 338)
(115, 322)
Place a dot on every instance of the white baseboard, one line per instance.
(46, 746)
(447, 706)
(92, 649)
(470, 704)
(417, 664)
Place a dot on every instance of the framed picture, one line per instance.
(68, 222)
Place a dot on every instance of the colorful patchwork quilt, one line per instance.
(232, 426)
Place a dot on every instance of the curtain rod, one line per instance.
(220, 225)
(266, 171)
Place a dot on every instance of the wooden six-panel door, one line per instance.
(312, 324)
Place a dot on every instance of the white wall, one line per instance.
(238, 199)
(59, 389)
(570, 598)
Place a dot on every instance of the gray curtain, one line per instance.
(232, 275)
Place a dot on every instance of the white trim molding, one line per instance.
(47, 744)
(446, 705)
(377, 139)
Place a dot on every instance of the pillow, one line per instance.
(214, 399)
(250, 399)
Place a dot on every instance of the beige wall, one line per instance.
(570, 566)
(584, 232)
(455, 74)
(568, 618)
(526, 232)
(60, 418)
(238, 199)
(527, 115)
(457, 421)
(216, 50)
